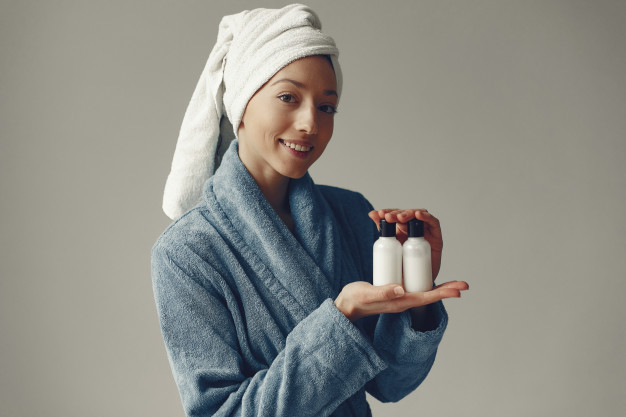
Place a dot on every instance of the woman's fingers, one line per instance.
(450, 289)
(394, 215)
(432, 223)
(404, 216)
(418, 299)
(459, 285)
(440, 294)
(375, 217)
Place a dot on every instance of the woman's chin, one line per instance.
(295, 170)
(295, 174)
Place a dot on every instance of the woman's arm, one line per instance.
(407, 339)
(325, 360)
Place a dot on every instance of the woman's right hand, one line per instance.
(360, 299)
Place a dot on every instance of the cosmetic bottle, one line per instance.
(416, 263)
(387, 256)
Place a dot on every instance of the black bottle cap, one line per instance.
(387, 229)
(416, 228)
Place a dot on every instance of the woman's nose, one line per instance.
(307, 120)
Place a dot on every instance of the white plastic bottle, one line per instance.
(416, 262)
(387, 256)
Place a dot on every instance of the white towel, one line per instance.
(251, 47)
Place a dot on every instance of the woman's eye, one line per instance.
(327, 108)
(287, 98)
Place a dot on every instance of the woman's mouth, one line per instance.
(295, 146)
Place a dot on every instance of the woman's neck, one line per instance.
(276, 195)
(275, 190)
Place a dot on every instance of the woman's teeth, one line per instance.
(297, 147)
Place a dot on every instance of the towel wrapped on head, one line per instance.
(251, 47)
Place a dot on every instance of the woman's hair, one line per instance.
(330, 61)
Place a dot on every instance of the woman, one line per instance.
(263, 281)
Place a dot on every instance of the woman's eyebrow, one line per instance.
(300, 85)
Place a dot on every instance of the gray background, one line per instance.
(506, 119)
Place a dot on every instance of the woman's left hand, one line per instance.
(432, 229)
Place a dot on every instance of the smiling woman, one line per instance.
(263, 282)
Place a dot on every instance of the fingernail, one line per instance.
(398, 291)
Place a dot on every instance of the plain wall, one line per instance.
(506, 119)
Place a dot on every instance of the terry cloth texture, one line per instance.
(251, 47)
(247, 313)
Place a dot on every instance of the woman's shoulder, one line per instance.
(192, 227)
(191, 242)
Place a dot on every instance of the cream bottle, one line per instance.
(416, 262)
(387, 256)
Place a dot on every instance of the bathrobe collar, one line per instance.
(304, 262)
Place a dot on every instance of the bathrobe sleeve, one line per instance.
(325, 360)
(408, 354)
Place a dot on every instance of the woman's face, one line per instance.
(289, 121)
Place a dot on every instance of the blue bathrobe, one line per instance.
(246, 307)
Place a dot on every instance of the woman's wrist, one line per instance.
(344, 307)
(423, 318)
